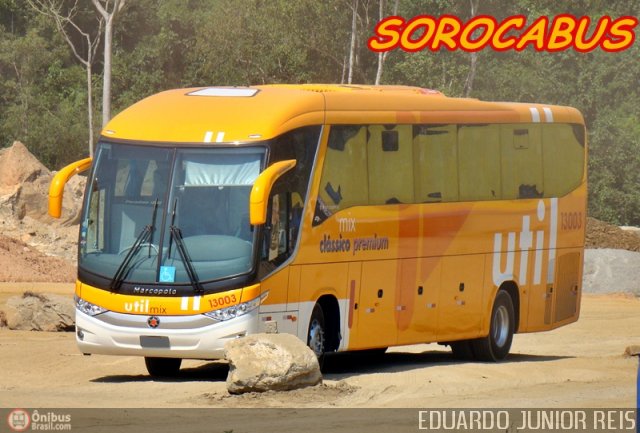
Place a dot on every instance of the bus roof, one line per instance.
(246, 114)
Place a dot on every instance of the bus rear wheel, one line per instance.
(495, 346)
(163, 367)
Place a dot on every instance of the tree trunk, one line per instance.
(90, 108)
(352, 47)
(344, 70)
(108, 17)
(380, 54)
(383, 56)
(468, 85)
(106, 84)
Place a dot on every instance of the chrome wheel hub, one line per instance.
(501, 326)
(316, 338)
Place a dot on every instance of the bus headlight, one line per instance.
(88, 308)
(234, 311)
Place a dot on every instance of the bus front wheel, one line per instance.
(162, 367)
(316, 332)
(495, 346)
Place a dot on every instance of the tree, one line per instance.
(108, 12)
(383, 56)
(352, 45)
(42, 91)
(84, 51)
(468, 85)
(263, 42)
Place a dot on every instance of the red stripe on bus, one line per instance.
(352, 301)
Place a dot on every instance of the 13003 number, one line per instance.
(571, 220)
(223, 301)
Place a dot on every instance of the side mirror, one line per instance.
(56, 189)
(259, 197)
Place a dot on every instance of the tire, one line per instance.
(462, 350)
(495, 346)
(316, 333)
(163, 367)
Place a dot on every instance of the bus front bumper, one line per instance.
(196, 337)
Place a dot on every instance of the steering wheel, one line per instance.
(145, 244)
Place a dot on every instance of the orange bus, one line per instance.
(355, 217)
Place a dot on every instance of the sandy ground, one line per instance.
(581, 365)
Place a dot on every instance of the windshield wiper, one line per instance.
(175, 234)
(147, 232)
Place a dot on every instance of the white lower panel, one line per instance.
(275, 318)
(202, 343)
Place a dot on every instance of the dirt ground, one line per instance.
(20, 262)
(600, 234)
(581, 365)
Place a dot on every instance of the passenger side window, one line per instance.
(366, 165)
(93, 228)
(390, 164)
(345, 175)
(277, 235)
(479, 162)
(521, 154)
(288, 195)
(435, 163)
(563, 158)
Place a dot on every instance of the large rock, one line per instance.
(19, 166)
(11, 206)
(24, 187)
(37, 312)
(264, 362)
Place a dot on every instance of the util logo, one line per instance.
(137, 306)
(525, 243)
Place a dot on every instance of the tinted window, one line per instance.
(479, 162)
(390, 164)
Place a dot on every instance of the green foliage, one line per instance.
(183, 43)
(41, 98)
(615, 165)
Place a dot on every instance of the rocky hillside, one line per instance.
(33, 246)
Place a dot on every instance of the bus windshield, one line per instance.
(169, 215)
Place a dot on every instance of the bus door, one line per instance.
(558, 300)
(568, 277)
(417, 313)
(376, 305)
(460, 301)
